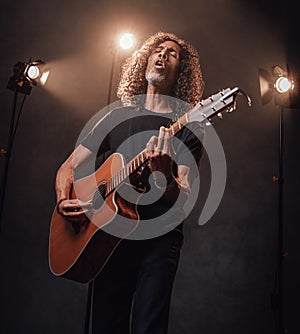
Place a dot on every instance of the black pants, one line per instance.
(132, 294)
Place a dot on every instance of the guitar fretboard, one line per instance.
(141, 158)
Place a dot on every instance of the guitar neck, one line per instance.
(141, 158)
(203, 111)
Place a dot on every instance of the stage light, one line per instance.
(26, 75)
(277, 84)
(284, 88)
(35, 70)
(126, 41)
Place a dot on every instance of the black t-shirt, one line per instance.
(127, 130)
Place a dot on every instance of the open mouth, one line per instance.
(160, 64)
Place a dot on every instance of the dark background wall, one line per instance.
(227, 266)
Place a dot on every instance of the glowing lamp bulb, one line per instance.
(283, 85)
(33, 72)
(126, 41)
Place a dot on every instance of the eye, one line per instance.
(157, 50)
(174, 53)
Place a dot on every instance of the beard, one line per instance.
(155, 78)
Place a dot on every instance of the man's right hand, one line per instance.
(74, 210)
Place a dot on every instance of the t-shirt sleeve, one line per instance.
(190, 147)
(97, 140)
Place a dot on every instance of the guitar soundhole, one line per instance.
(99, 195)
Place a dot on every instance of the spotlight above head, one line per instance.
(276, 83)
(126, 41)
(26, 75)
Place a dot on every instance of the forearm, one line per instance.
(64, 181)
(65, 174)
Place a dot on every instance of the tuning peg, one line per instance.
(232, 107)
(220, 115)
(209, 122)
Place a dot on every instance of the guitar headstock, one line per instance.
(216, 104)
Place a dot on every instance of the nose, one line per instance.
(163, 53)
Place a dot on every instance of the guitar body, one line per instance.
(81, 254)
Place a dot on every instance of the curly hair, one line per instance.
(189, 86)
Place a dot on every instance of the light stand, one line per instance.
(88, 307)
(6, 153)
(125, 42)
(25, 75)
(113, 51)
(277, 294)
(278, 87)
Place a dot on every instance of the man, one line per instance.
(132, 293)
